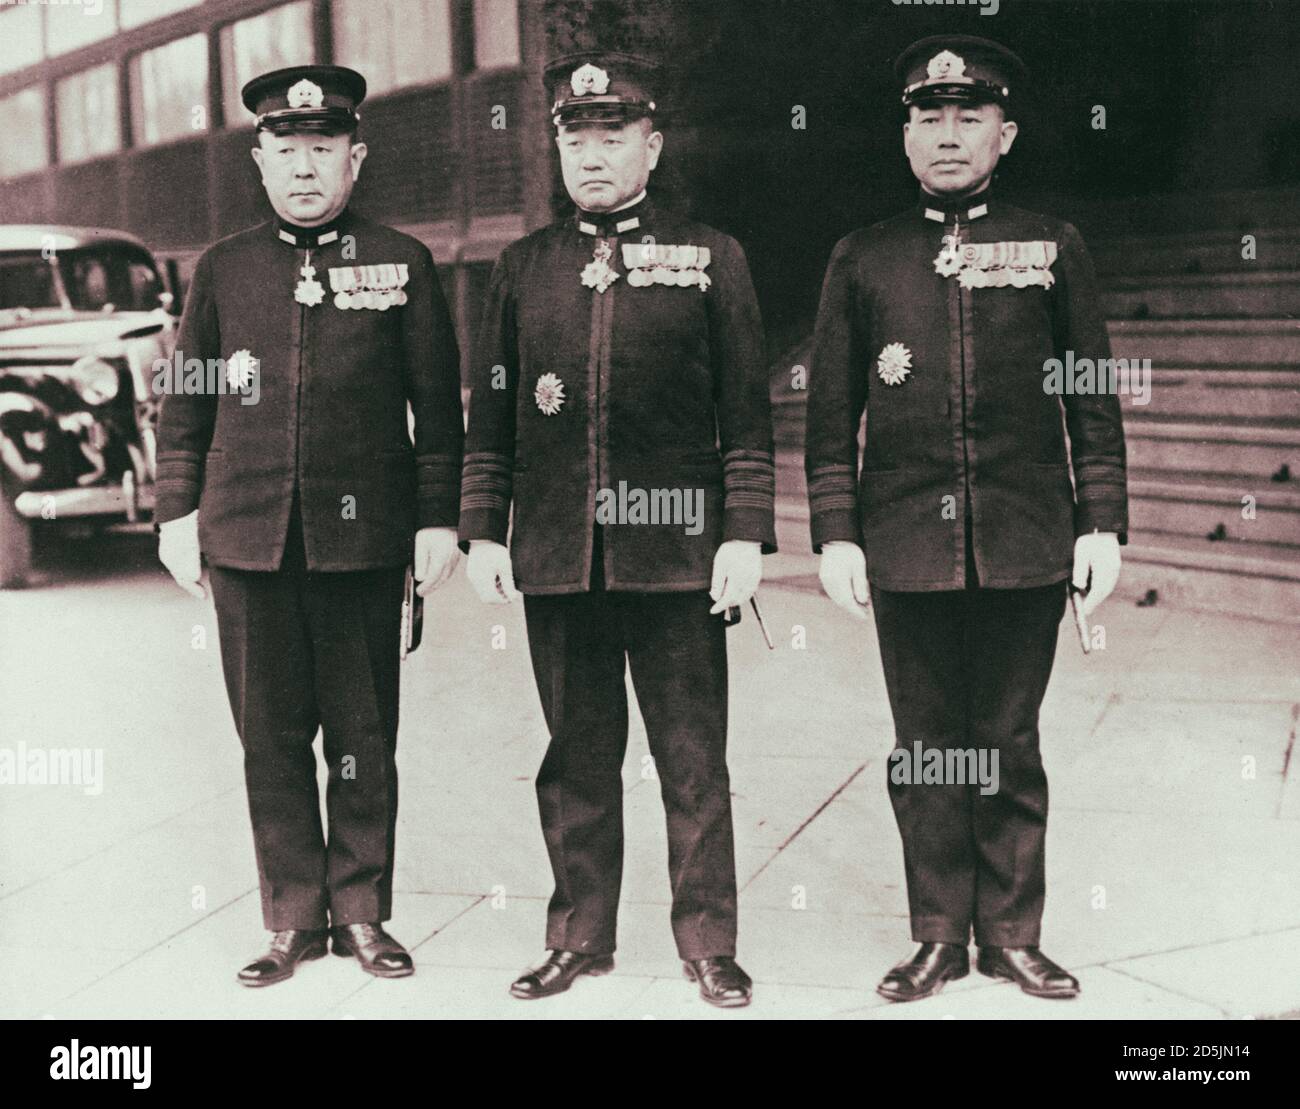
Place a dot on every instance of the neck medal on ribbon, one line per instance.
(949, 260)
(309, 291)
(598, 273)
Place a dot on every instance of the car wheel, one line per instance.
(15, 544)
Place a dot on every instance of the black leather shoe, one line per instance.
(557, 974)
(288, 948)
(1029, 969)
(924, 974)
(722, 982)
(377, 952)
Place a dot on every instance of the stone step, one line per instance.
(1270, 293)
(1276, 248)
(1232, 344)
(1247, 579)
(1195, 507)
(1220, 395)
(1254, 451)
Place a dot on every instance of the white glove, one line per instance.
(843, 572)
(490, 573)
(737, 570)
(436, 556)
(178, 550)
(1096, 555)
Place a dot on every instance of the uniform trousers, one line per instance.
(301, 652)
(967, 669)
(581, 646)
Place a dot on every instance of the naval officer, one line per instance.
(969, 519)
(622, 353)
(309, 503)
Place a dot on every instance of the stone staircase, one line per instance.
(1214, 457)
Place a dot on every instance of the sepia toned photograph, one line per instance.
(630, 509)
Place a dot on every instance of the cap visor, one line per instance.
(309, 119)
(971, 94)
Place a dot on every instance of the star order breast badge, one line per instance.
(549, 394)
(894, 364)
(241, 368)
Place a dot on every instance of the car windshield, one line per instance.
(96, 279)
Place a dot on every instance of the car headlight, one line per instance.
(95, 380)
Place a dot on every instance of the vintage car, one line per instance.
(84, 314)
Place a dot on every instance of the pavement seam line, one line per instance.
(796, 833)
(117, 843)
(1165, 989)
(161, 943)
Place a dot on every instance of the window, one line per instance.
(272, 40)
(169, 91)
(86, 120)
(135, 12)
(27, 281)
(99, 277)
(145, 285)
(68, 26)
(393, 42)
(496, 33)
(26, 146)
(20, 31)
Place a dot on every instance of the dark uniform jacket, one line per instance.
(331, 419)
(664, 388)
(970, 420)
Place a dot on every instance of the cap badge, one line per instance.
(945, 64)
(549, 394)
(588, 79)
(308, 94)
(894, 363)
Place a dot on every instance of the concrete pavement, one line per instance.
(1173, 849)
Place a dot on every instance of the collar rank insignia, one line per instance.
(589, 79)
(378, 287)
(666, 264)
(598, 274)
(306, 94)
